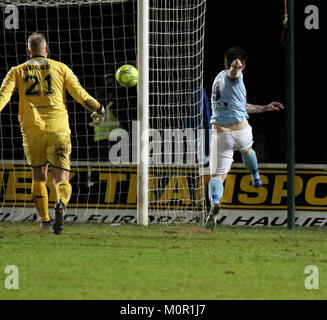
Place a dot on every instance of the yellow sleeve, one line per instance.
(78, 92)
(7, 88)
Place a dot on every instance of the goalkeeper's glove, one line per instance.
(98, 116)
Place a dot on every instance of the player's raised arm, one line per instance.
(84, 98)
(7, 88)
(273, 106)
(235, 69)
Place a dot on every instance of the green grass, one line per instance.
(99, 261)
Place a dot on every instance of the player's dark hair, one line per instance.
(235, 53)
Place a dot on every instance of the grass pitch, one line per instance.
(99, 261)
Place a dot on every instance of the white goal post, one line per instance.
(143, 112)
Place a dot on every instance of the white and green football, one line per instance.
(127, 76)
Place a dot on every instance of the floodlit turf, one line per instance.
(99, 261)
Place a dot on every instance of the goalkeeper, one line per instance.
(43, 118)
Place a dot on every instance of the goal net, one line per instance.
(94, 38)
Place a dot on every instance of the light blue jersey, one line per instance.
(228, 99)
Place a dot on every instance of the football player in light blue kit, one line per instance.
(230, 128)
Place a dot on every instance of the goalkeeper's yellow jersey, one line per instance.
(42, 84)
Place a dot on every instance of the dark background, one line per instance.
(256, 26)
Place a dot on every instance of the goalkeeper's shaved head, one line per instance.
(37, 44)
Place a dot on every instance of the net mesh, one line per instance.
(56, 3)
(176, 75)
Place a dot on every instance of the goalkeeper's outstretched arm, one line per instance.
(7, 88)
(84, 98)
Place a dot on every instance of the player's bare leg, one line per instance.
(216, 191)
(250, 161)
(40, 195)
(63, 191)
